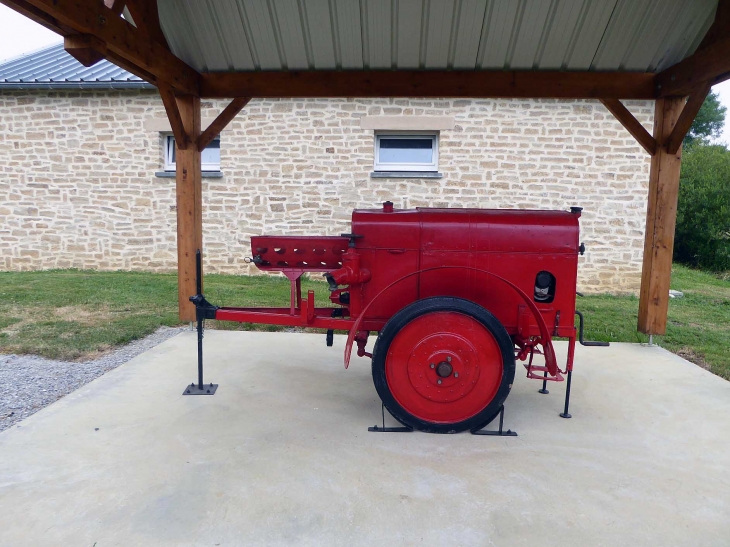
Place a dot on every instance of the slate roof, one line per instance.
(53, 68)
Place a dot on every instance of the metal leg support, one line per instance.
(565, 413)
(499, 433)
(544, 389)
(201, 307)
(377, 429)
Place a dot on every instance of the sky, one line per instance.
(20, 35)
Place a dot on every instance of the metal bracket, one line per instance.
(499, 433)
(194, 389)
(377, 429)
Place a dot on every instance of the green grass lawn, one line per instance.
(74, 314)
(71, 314)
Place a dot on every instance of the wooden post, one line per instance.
(188, 181)
(661, 218)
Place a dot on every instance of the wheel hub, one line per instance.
(444, 369)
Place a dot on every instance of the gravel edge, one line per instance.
(29, 383)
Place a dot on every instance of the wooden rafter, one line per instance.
(85, 48)
(117, 6)
(720, 25)
(711, 63)
(223, 119)
(147, 19)
(689, 112)
(39, 16)
(182, 137)
(632, 125)
(431, 83)
(140, 54)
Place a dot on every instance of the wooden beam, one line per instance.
(680, 78)
(429, 83)
(720, 25)
(117, 6)
(689, 112)
(39, 16)
(711, 63)
(188, 184)
(661, 217)
(147, 19)
(85, 48)
(632, 125)
(142, 54)
(172, 107)
(223, 119)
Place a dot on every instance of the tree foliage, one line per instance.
(703, 215)
(708, 123)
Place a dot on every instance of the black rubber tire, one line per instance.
(428, 305)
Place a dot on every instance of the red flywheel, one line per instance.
(443, 365)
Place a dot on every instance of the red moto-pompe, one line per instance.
(455, 297)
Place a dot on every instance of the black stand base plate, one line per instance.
(378, 429)
(565, 415)
(193, 389)
(383, 429)
(500, 432)
(543, 391)
(508, 433)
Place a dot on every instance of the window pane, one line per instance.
(212, 153)
(210, 158)
(406, 150)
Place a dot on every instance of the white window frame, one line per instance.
(379, 166)
(169, 146)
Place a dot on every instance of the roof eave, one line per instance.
(75, 85)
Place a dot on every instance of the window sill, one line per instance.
(406, 175)
(206, 174)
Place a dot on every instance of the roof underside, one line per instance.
(53, 68)
(278, 35)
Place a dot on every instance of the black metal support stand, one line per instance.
(377, 429)
(565, 413)
(544, 389)
(203, 310)
(498, 433)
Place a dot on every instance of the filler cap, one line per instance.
(387, 206)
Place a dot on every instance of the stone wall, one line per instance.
(78, 186)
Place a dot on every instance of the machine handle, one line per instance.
(580, 334)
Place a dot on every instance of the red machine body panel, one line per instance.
(456, 246)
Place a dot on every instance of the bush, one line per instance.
(703, 216)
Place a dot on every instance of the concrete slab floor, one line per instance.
(281, 456)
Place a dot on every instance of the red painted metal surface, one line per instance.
(536, 315)
(311, 254)
(458, 342)
(490, 257)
